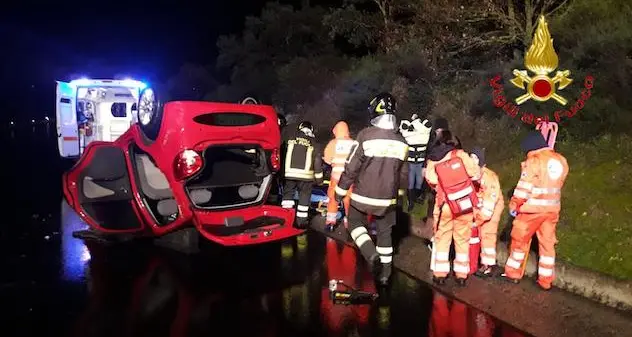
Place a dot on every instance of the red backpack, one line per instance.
(456, 185)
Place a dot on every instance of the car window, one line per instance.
(118, 110)
(229, 119)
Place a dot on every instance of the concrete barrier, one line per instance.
(584, 282)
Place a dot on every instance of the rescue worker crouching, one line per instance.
(376, 168)
(302, 165)
(535, 204)
(446, 224)
(487, 215)
(336, 153)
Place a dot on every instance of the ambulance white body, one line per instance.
(94, 110)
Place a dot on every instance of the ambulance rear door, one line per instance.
(67, 128)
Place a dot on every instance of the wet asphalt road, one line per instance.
(53, 284)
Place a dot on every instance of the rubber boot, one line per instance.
(411, 200)
(385, 274)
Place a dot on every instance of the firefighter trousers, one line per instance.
(358, 223)
(458, 228)
(524, 226)
(332, 205)
(304, 189)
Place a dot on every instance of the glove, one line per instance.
(513, 213)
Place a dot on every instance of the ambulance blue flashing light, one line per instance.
(126, 82)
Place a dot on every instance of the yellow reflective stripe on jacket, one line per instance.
(373, 201)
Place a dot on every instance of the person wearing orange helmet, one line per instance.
(336, 154)
(536, 206)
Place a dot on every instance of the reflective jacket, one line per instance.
(338, 149)
(303, 158)
(376, 169)
(489, 195)
(539, 189)
(417, 140)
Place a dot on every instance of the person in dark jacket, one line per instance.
(377, 169)
(302, 165)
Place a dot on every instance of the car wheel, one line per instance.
(150, 112)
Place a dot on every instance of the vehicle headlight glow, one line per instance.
(146, 106)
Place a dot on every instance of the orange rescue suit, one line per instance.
(537, 201)
(487, 215)
(336, 154)
(448, 226)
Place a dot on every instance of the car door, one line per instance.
(66, 113)
(99, 189)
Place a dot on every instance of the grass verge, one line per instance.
(595, 229)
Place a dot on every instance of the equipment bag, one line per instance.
(456, 185)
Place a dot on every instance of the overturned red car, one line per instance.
(185, 164)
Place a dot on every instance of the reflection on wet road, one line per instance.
(55, 284)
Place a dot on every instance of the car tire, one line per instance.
(152, 129)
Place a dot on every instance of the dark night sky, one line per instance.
(44, 43)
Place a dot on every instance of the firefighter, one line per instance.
(446, 225)
(376, 168)
(302, 165)
(535, 204)
(487, 216)
(336, 153)
(417, 135)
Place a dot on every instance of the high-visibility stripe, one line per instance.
(513, 263)
(518, 255)
(299, 174)
(287, 203)
(475, 240)
(337, 169)
(461, 193)
(386, 259)
(462, 258)
(384, 250)
(301, 214)
(537, 190)
(545, 271)
(372, 201)
(340, 191)
(318, 175)
(442, 267)
(489, 251)
(302, 208)
(548, 260)
(520, 194)
(442, 256)
(524, 185)
(459, 268)
(385, 148)
(489, 204)
(543, 202)
(488, 261)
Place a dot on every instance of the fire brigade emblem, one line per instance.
(541, 60)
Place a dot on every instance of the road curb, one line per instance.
(524, 306)
(596, 286)
(584, 282)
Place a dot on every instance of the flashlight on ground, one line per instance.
(349, 295)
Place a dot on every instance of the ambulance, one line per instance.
(90, 110)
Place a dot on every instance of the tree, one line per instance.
(275, 38)
(191, 82)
